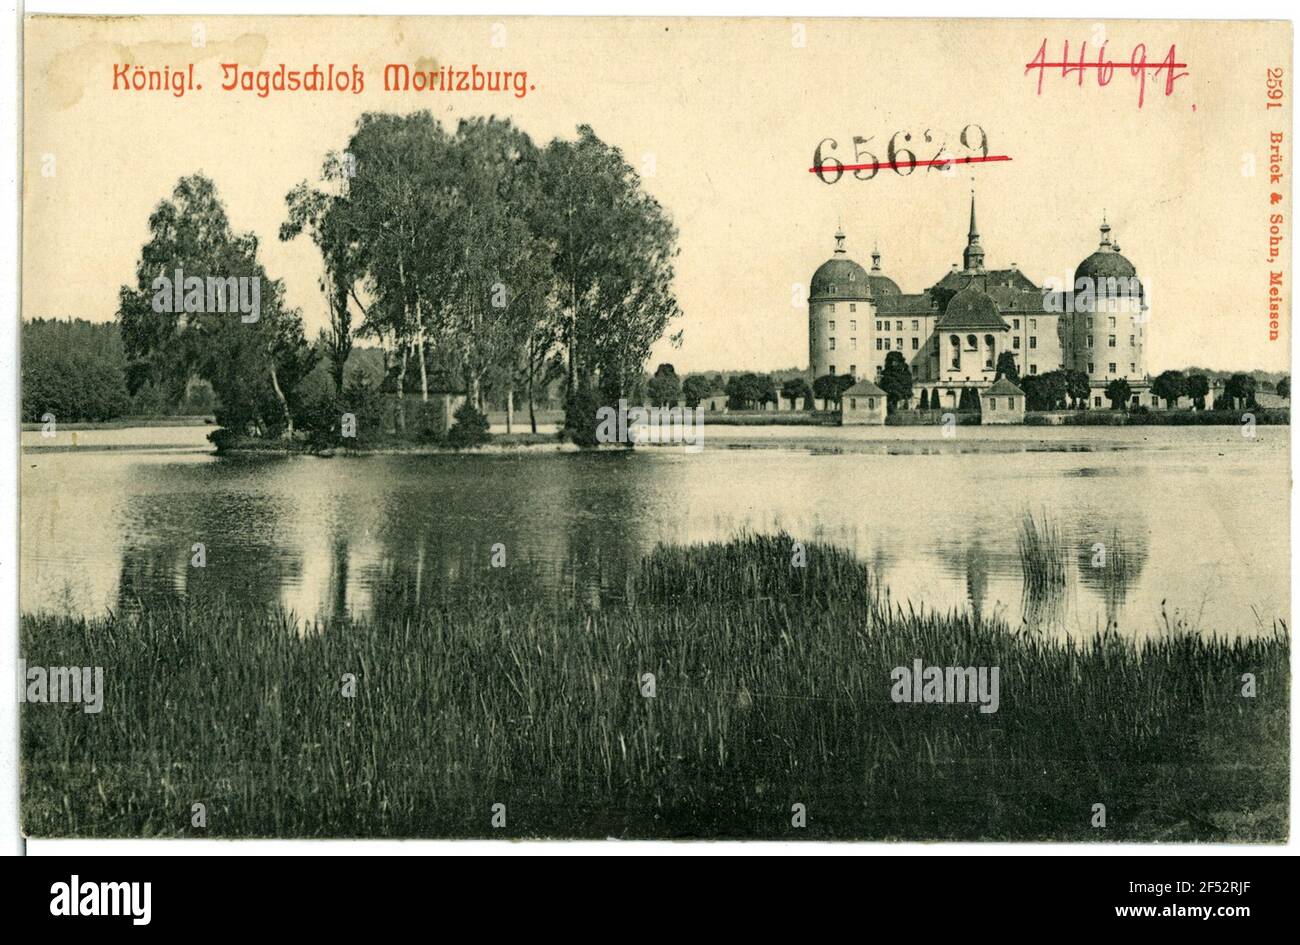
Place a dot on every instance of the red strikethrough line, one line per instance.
(879, 164)
(1098, 65)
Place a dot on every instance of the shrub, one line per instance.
(580, 420)
(470, 428)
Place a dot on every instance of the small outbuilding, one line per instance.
(1003, 402)
(863, 404)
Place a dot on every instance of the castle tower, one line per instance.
(839, 305)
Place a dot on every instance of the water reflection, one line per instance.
(349, 537)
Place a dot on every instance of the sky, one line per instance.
(721, 117)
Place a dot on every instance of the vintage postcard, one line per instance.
(656, 428)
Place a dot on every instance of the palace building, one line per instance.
(953, 333)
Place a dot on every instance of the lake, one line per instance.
(1198, 516)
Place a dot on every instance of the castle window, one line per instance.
(1112, 367)
(879, 345)
(1015, 342)
(853, 325)
(916, 325)
(1089, 322)
(993, 403)
(1110, 322)
(1033, 341)
(1090, 370)
(972, 342)
(1096, 401)
(1033, 369)
(1088, 341)
(1011, 403)
(832, 344)
(853, 343)
(1015, 323)
(831, 369)
(916, 343)
(1132, 368)
(833, 291)
(831, 308)
(853, 306)
(1130, 341)
(853, 403)
(899, 325)
(871, 403)
(1110, 341)
(1033, 323)
(900, 344)
(956, 351)
(853, 370)
(886, 344)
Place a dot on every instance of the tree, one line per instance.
(1284, 388)
(1118, 393)
(829, 388)
(750, 391)
(969, 400)
(896, 380)
(1197, 387)
(1169, 386)
(665, 388)
(1055, 389)
(1078, 388)
(1007, 367)
(794, 390)
(1240, 390)
(253, 365)
(74, 370)
(614, 248)
(695, 388)
(925, 400)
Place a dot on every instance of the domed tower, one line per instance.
(838, 303)
(1107, 318)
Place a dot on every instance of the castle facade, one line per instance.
(953, 334)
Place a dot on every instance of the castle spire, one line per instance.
(839, 241)
(974, 254)
(1105, 231)
(875, 257)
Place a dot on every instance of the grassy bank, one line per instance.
(388, 444)
(772, 688)
(127, 423)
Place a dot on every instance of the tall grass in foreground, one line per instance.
(771, 688)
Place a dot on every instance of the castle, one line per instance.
(953, 333)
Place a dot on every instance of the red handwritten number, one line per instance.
(1079, 67)
(1171, 63)
(1039, 62)
(1138, 66)
(1105, 68)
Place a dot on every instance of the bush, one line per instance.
(470, 428)
(580, 420)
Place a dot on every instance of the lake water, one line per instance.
(1200, 518)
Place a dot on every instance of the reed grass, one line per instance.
(771, 688)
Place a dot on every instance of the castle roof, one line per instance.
(840, 277)
(972, 307)
(901, 304)
(864, 388)
(1003, 387)
(1106, 262)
